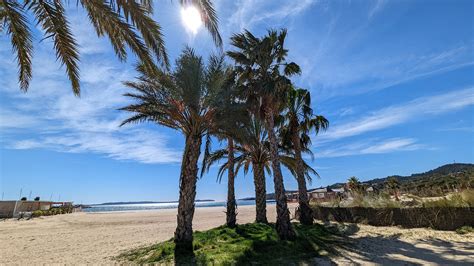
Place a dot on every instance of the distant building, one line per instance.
(321, 194)
(13, 208)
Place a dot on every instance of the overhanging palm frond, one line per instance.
(139, 14)
(209, 17)
(52, 19)
(108, 22)
(12, 17)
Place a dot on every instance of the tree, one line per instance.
(230, 118)
(253, 151)
(299, 123)
(354, 184)
(263, 73)
(181, 100)
(393, 185)
(252, 147)
(127, 24)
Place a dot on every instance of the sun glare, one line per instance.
(191, 18)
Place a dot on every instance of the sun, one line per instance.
(191, 18)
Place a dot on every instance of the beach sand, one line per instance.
(98, 237)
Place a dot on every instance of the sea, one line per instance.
(163, 205)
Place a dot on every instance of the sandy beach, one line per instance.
(98, 237)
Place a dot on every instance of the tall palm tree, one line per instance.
(230, 119)
(263, 71)
(253, 151)
(181, 100)
(127, 24)
(252, 148)
(299, 123)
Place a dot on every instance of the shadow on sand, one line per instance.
(391, 250)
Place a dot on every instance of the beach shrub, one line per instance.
(37, 213)
(465, 230)
(243, 245)
(459, 199)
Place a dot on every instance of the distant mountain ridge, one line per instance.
(144, 202)
(443, 176)
(446, 175)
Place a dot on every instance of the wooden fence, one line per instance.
(440, 218)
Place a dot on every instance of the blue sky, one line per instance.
(395, 79)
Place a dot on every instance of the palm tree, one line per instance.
(253, 151)
(182, 101)
(393, 185)
(299, 123)
(354, 184)
(230, 119)
(127, 24)
(262, 70)
(252, 147)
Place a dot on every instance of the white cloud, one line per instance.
(371, 147)
(251, 12)
(136, 145)
(60, 121)
(398, 114)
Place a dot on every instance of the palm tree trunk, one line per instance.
(306, 215)
(260, 193)
(283, 224)
(183, 236)
(231, 215)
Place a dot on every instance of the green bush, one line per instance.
(465, 230)
(37, 213)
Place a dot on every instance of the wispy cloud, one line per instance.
(132, 145)
(335, 76)
(402, 113)
(59, 121)
(371, 147)
(252, 12)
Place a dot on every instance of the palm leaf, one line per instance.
(14, 20)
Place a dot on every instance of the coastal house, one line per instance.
(321, 194)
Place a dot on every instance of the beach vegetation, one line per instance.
(299, 122)
(465, 230)
(254, 243)
(183, 100)
(263, 76)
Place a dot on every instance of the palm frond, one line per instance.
(52, 18)
(209, 17)
(14, 20)
(108, 22)
(139, 14)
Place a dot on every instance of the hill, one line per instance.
(431, 183)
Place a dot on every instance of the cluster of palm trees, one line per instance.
(252, 105)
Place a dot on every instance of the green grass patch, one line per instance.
(465, 230)
(246, 244)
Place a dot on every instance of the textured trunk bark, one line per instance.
(306, 214)
(187, 193)
(260, 193)
(283, 224)
(231, 215)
